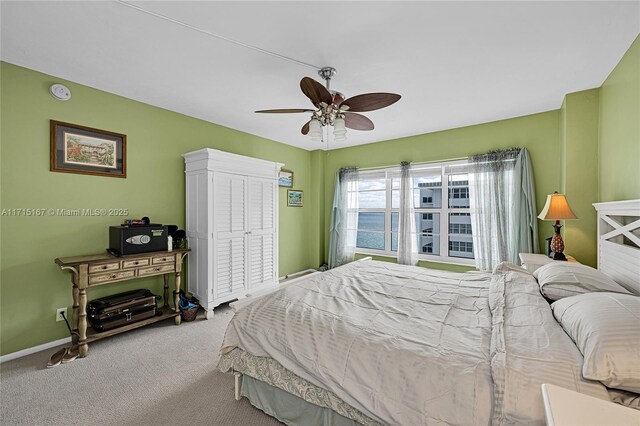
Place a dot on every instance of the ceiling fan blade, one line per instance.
(315, 91)
(284, 111)
(370, 101)
(357, 121)
(305, 128)
(337, 99)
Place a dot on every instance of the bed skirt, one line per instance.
(287, 408)
(270, 372)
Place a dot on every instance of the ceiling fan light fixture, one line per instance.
(332, 109)
(339, 129)
(315, 130)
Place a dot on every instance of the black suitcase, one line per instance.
(114, 311)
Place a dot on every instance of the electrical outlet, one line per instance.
(59, 313)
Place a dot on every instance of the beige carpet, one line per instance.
(157, 375)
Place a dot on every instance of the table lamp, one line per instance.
(556, 208)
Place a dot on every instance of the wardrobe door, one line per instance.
(198, 234)
(262, 232)
(229, 221)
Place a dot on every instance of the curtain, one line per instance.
(525, 210)
(503, 208)
(407, 245)
(344, 218)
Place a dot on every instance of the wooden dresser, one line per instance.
(101, 269)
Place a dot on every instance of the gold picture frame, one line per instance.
(285, 178)
(295, 198)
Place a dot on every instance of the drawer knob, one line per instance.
(113, 276)
(136, 262)
(104, 267)
(157, 269)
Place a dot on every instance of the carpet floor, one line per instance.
(156, 375)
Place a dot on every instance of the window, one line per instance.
(379, 209)
(372, 201)
(459, 228)
(458, 192)
(461, 246)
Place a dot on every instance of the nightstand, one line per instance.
(563, 407)
(532, 261)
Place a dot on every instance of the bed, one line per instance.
(380, 343)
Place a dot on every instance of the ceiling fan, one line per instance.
(333, 109)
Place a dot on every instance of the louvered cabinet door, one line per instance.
(198, 234)
(229, 222)
(262, 232)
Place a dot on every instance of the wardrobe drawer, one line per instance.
(163, 259)
(134, 263)
(104, 267)
(155, 270)
(103, 278)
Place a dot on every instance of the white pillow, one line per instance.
(606, 329)
(564, 279)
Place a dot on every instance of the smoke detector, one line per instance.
(60, 92)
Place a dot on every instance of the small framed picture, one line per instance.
(285, 178)
(84, 150)
(294, 198)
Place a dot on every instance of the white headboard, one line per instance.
(619, 242)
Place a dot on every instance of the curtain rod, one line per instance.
(365, 169)
(412, 163)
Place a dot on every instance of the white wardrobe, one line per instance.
(232, 225)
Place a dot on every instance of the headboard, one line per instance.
(619, 242)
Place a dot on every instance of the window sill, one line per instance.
(421, 258)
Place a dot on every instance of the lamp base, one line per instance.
(557, 244)
(557, 255)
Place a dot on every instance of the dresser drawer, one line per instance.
(164, 259)
(103, 278)
(114, 266)
(134, 263)
(155, 270)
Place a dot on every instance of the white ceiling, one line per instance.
(454, 63)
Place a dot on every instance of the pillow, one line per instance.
(606, 329)
(504, 267)
(564, 279)
(625, 398)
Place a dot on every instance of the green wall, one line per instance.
(579, 177)
(538, 133)
(619, 142)
(32, 286)
(589, 148)
(316, 198)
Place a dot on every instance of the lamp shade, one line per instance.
(556, 208)
(315, 130)
(339, 129)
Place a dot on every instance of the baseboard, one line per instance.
(34, 349)
(295, 274)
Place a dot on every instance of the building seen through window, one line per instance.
(459, 230)
(443, 226)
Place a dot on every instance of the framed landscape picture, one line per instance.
(84, 150)
(294, 198)
(285, 178)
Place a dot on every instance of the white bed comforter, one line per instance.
(415, 346)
